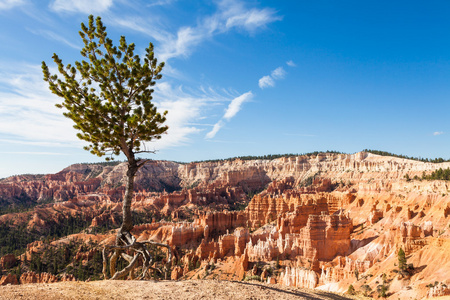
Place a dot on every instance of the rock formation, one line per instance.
(8, 279)
(7, 261)
(32, 277)
(323, 221)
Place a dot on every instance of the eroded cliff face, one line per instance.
(251, 175)
(325, 221)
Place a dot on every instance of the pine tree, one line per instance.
(356, 274)
(401, 259)
(109, 98)
(351, 290)
(382, 290)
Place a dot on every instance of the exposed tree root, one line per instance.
(127, 245)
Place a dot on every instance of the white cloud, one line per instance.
(269, 80)
(291, 63)
(182, 44)
(266, 81)
(83, 6)
(438, 132)
(234, 13)
(230, 14)
(278, 73)
(8, 4)
(251, 20)
(235, 106)
(185, 109)
(35, 143)
(28, 115)
(215, 129)
(160, 3)
(27, 108)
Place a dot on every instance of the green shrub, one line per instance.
(351, 290)
(254, 277)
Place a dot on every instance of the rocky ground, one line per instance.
(188, 289)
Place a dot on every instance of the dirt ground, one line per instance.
(179, 290)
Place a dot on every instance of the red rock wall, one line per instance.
(222, 221)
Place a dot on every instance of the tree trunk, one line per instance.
(127, 222)
(126, 243)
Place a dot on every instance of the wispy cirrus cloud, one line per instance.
(141, 25)
(83, 6)
(290, 63)
(277, 74)
(235, 14)
(8, 4)
(269, 80)
(266, 81)
(27, 109)
(160, 3)
(29, 116)
(187, 107)
(438, 132)
(215, 129)
(183, 109)
(35, 143)
(50, 35)
(233, 108)
(230, 14)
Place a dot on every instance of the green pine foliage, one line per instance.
(351, 290)
(270, 156)
(366, 289)
(385, 153)
(440, 174)
(21, 203)
(109, 95)
(14, 238)
(401, 260)
(382, 290)
(61, 259)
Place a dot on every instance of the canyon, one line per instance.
(324, 221)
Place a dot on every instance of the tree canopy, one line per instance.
(109, 95)
(401, 259)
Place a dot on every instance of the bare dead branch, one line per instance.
(127, 257)
(127, 269)
(105, 264)
(112, 262)
(140, 249)
(161, 245)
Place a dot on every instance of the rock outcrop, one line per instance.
(299, 277)
(439, 290)
(32, 277)
(8, 279)
(320, 221)
(7, 261)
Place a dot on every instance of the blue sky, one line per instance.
(241, 77)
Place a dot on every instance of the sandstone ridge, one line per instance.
(325, 221)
